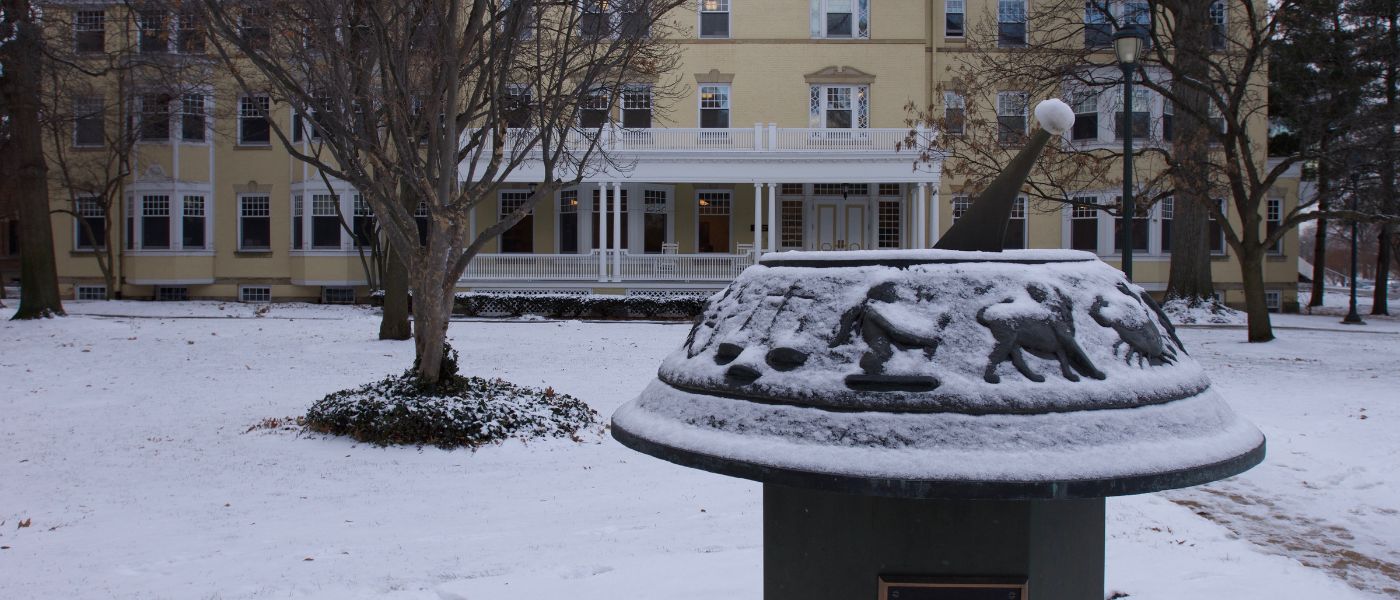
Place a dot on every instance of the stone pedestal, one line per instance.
(823, 545)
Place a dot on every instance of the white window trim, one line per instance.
(857, 116)
(238, 216)
(238, 116)
(179, 138)
(819, 20)
(243, 288)
(177, 194)
(582, 234)
(138, 112)
(700, 103)
(1107, 245)
(947, 12)
(345, 195)
(699, 18)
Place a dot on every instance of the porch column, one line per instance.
(921, 213)
(617, 231)
(602, 241)
(757, 220)
(933, 213)
(772, 217)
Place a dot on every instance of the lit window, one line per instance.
(713, 222)
(714, 106)
(714, 18)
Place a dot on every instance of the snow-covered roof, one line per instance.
(950, 373)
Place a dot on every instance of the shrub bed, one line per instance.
(558, 306)
(456, 412)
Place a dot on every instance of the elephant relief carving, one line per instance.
(1043, 326)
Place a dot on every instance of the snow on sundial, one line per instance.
(1019, 366)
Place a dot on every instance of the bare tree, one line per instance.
(444, 100)
(1208, 61)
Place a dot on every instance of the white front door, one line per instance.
(840, 224)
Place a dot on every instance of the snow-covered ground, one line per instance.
(127, 442)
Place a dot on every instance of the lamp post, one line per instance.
(1127, 45)
(1353, 317)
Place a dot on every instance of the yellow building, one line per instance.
(785, 138)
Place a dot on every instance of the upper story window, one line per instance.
(840, 18)
(1011, 23)
(593, 112)
(1168, 120)
(954, 18)
(1012, 109)
(1098, 28)
(954, 113)
(255, 32)
(1217, 22)
(90, 226)
(714, 106)
(517, 106)
(633, 20)
(89, 31)
(1141, 110)
(714, 18)
(1273, 220)
(603, 18)
(154, 123)
(89, 122)
(594, 22)
(840, 106)
(636, 107)
(253, 126)
(960, 205)
(189, 33)
(192, 113)
(154, 37)
(1086, 116)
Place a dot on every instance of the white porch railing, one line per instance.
(543, 267)
(768, 138)
(585, 267)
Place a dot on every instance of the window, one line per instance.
(254, 223)
(1273, 300)
(189, 34)
(521, 236)
(790, 218)
(595, 21)
(366, 230)
(91, 224)
(130, 222)
(593, 113)
(714, 18)
(790, 189)
(840, 106)
(192, 117)
(889, 189)
(887, 233)
(1140, 226)
(254, 294)
(655, 220)
(1084, 224)
(954, 18)
(1137, 12)
(89, 122)
(325, 222)
(1011, 23)
(1016, 227)
(172, 294)
(154, 38)
(1141, 119)
(960, 206)
(1217, 22)
(1165, 213)
(337, 295)
(633, 20)
(840, 189)
(714, 106)
(1086, 116)
(1098, 28)
(1011, 117)
(1168, 120)
(517, 106)
(636, 107)
(90, 292)
(1215, 121)
(954, 113)
(89, 31)
(840, 18)
(420, 218)
(713, 221)
(253, 126)
(1273, 220)
(568, 222)
(155, 222)
(298, 223)
(155, 117)
(254, 32)
(192, 223)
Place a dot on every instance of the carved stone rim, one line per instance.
(904, 263)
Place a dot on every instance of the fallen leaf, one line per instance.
(307, 559)
(25, 523)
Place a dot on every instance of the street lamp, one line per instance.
(1128, 43)
(1353, 317)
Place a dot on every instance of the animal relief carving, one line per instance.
(1135, 328)
(1041, 325)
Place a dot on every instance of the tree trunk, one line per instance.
(1380, 304)
(1319, 274)
(432, 310)
(394, 324)
(1256, 306)
(20, 86)
(1189, 276)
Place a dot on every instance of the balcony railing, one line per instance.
(589, 267)
(759, 138)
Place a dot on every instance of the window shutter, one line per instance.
(814, 116)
